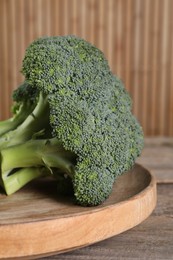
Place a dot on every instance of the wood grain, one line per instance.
(33, 223)
(135, 35)
(157, 156)
(152, 239)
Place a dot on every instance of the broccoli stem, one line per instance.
(35, 153)
(41, 152)
(36, 121)
(13, 182)
(1, 182)
(13, 122)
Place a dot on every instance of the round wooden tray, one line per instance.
(35, 222)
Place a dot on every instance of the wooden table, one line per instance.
(153, 239)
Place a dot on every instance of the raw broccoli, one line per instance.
(92, 136)
(35, 115)
(24, 102)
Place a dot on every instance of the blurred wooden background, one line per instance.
(135, 35)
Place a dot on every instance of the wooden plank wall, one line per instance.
(135, 35)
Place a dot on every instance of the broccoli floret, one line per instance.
(93, 136)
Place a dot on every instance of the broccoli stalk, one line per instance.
(24, 98)
(24, 162)
(34, 122)
(20, 115)
(15, 180)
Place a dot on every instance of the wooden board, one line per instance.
(35, 222)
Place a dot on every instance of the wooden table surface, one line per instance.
(152, 239)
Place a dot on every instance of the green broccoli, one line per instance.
(92, 136)
(24, 101)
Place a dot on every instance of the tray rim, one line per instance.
(99, 207)
(94, 212)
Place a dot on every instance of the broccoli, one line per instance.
(23, 98)
(81, 129)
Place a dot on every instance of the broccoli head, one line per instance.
(93, 136)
